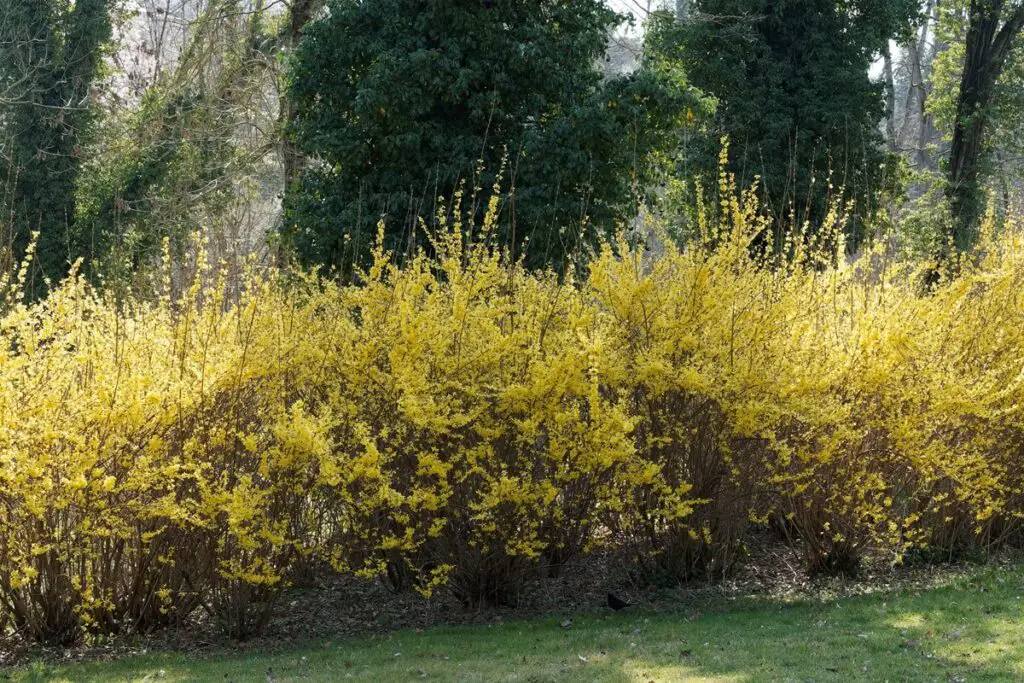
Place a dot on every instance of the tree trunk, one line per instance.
(299, 15)
(46, 129)
(926, 132)
(913, 110)
(988, 44)
(890, 103)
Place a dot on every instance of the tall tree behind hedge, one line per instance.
(795, 97)
(984, 99)
(192, 154)
(50, 56)
(398, 102)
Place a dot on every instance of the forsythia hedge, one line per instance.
(460, 422)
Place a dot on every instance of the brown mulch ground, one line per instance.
(335, 607)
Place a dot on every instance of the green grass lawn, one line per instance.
(971, 630)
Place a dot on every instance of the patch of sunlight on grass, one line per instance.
(994, 641)
(970, 630)
(907, 622)
(642, 672)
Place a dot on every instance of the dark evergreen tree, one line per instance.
(50, 55)
(399, 102)
(795, 97)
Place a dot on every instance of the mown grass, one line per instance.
(970, 630)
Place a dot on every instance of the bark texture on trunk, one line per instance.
(990, 34)
(300, 14)
(914, 108)
(891, 142)
(927, 133)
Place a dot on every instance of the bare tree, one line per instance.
(914, 123)
(21, 56)
(891, 141)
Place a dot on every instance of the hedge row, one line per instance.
(460, 424)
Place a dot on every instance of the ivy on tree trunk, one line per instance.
(993, 25)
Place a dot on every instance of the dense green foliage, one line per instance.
(50, 56)
(387, 106)
(401, 101)
(141, 188)
(795, 98)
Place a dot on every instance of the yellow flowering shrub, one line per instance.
(459, 423)
(482, 437)
(154, 457)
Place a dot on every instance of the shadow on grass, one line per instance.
(972, 631)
